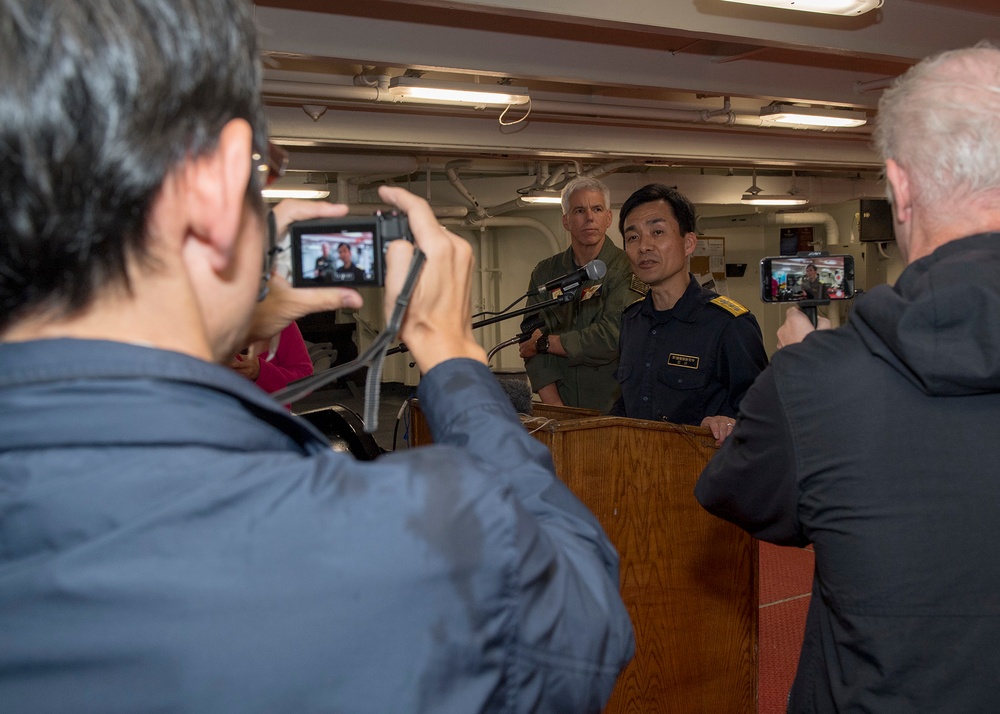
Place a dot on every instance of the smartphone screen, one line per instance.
(816, 277)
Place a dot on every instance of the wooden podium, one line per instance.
(689, 579)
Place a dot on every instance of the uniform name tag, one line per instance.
(686, 361)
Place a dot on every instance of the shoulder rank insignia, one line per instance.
(638, 286)
(729, 305)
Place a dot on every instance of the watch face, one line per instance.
(542, 344)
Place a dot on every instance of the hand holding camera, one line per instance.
(438, 324)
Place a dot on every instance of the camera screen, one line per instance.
(796, 278)
(342, 256)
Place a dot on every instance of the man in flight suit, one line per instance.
(573, 358)
(688, 355)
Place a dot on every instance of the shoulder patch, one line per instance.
(637, 286)
(729, 305)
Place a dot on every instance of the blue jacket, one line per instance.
(173, 540)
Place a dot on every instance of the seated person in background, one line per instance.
(347, 272)
(688, 355)
(173, 539)
(811, 286)
(290, 362)
(572, 359)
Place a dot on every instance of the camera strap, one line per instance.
(374, 355)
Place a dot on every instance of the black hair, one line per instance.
(683, 208)
(99, 101)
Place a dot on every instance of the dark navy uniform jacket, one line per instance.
(173, 540)
(693, 361)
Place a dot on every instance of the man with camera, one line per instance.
(877, 442)
(173, 539)
(688, 355)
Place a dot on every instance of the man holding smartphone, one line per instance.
(876, 442)
(175, 540)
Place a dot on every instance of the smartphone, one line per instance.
(793, 278)
(345, 252)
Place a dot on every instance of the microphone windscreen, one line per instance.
(596, 269)
(518, 390)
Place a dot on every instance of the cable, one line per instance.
(500, 312)
(374, 355)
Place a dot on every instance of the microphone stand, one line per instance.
(565, 297)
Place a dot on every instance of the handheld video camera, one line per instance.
(344, 252)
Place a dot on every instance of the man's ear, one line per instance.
(901, 197)
(216, 185)
(690, 243)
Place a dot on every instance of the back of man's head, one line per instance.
(683, 209)
(99, 101)
(940, 121)
(584, 183)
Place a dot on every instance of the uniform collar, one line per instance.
(683, 309)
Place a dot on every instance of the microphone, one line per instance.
(594, 270)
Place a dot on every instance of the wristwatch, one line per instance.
(542, 345)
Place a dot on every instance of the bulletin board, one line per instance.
(708, 263)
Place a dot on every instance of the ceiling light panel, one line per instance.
(420, 90)
(815, 117)
(827, 7)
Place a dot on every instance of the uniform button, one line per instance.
(653, 332)
(645, 399)
(648, 365)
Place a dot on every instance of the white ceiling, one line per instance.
(611, 81)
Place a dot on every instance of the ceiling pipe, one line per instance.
(756, 220)
(473, 223)
(281, 90)
(451, 171)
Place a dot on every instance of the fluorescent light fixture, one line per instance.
(762, 199)
(478, 95)
(829, 7)
(543, 197)
(307, 193)
(792, 114)
(754, 196)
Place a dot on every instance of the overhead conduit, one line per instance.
(275, 89)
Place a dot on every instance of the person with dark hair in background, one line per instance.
(347, 272)
(811, 286)
(173, 539)
(877, 442)
(572, 359)
(688, 355)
